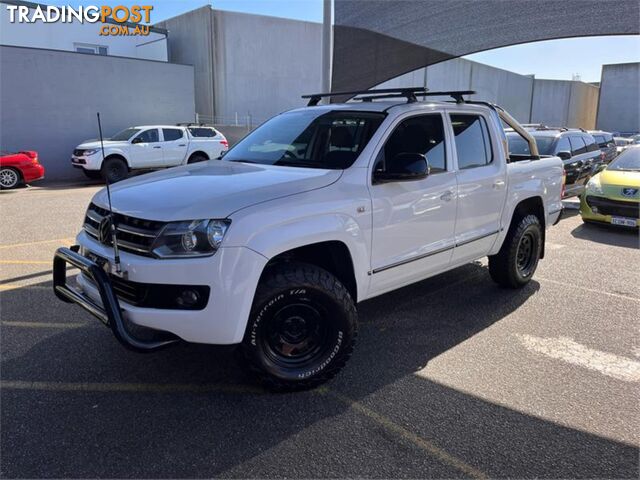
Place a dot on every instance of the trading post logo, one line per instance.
(118, 20)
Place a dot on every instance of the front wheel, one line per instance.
(114, 169)
(515, 263)
(302, 327)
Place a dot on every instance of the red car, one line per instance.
(17, 168)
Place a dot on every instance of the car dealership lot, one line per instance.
(451, 377)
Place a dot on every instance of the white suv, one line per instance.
(148, 147)
(316, 210)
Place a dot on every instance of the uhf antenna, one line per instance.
(112, 220)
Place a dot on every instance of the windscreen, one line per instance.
(125, 134)
(629, 160)
(306, 138)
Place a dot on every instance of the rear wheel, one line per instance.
(197, 157)
(114, 169)
(302, 327)
(515, 263)
(9, 178)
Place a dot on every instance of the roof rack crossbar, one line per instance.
(410, 93)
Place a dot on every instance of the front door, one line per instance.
(146, 150)
(413, 221)
(482, 187)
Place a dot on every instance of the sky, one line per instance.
(553, 59)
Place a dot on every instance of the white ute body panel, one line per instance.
(396, 233)
(162, 153)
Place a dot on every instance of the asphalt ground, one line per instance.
(451, 377)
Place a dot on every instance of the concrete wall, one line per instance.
(65, 36)
(619, 107)
(49, 100)
(191, 43)
(260, 65)
(563, 103)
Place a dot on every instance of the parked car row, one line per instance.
(148, 147)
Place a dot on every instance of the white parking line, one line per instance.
(567, 350)
(592, 290)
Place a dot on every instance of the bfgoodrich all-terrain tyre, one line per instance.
(302, 327)
(515, 263)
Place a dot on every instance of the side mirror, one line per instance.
(136, 140)
(564, 155)
(404, 167)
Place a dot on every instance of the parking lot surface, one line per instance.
(451, 377)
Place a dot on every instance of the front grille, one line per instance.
(135, 235)
(616, 208)
(78, 153)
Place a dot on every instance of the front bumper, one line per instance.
(108, 310)
(232, 275)
(88, 162)
(588, 214)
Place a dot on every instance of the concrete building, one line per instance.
(247, 67)
(530, 100)
(619, 106)
(79, 37)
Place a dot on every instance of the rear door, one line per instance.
(146, 149)
(482, 176)
(174, 146)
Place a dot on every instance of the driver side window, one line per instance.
(148, 136)
(422, 134)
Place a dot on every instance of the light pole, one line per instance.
(327, 44)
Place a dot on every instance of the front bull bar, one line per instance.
(109, 313)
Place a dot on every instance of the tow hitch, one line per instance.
(109, 313)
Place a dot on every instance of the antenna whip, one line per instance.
(112, 220)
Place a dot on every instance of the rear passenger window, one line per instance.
(592, 146)
(577, 145)
(171, 134)
(473, 143)
(202, 132)
(423, 134)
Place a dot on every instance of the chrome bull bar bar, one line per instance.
(109, 313)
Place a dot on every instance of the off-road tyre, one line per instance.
(297, 301)
(114, 169)
(516, 262)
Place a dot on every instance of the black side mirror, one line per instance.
(136, 140)
(404, 167)
(564, 155)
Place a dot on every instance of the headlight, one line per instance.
(91, 151)
(193, 238)
(594, 186)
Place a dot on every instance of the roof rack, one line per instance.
(410, 94)
(194, 124)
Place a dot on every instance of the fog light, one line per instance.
(188, 298)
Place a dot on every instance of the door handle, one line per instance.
(498, 184)
(182, 145)
(446, 196)
(157, 147)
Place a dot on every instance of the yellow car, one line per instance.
(613, 195)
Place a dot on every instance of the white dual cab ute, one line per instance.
(316, 210)
(148, 147)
